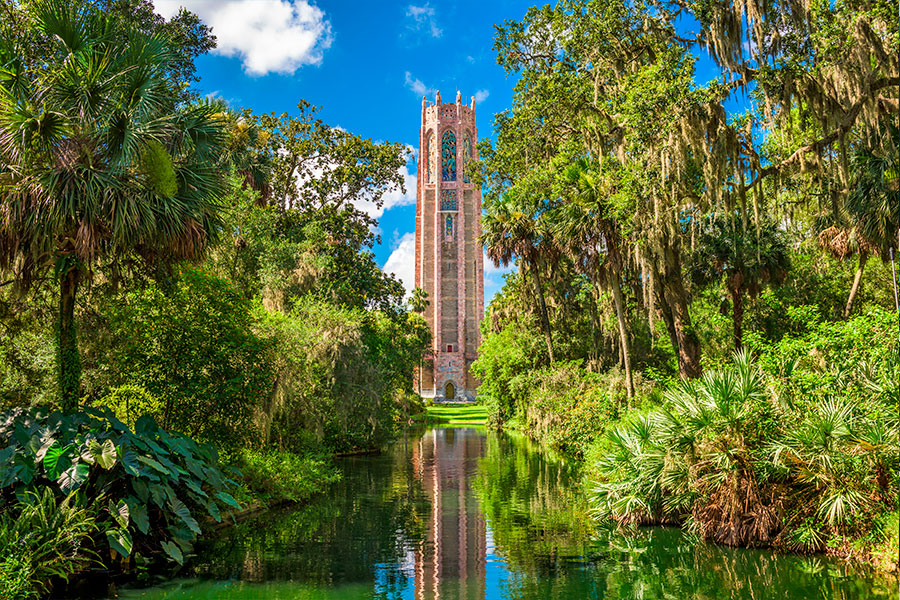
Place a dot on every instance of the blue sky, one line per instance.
(367, 65)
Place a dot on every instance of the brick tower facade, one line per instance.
(449, 260)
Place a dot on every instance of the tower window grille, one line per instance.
(448, 199)
(448, 156)
(467, 156)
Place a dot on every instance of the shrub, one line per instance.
(276, 476)
(130, 402)
(801, 458)
(17, 581)
(692, 460)
(146, 487)
(192, 347)
(42, 538)
(340, 375)
(502, 357)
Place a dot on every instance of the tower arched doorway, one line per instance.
(449, 391)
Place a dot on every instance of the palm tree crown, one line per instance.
(99, 159)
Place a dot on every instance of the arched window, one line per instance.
(467, 155)
(429, 159)
(448, 156)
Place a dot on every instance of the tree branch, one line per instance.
(820, 144)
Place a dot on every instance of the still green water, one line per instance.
(463, 514)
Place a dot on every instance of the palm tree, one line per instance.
(591, 236)
(507, 231)
(873, 207)
(419, 303)
(747, 259)
(694, 457)
(867, 224)
(247, 153)
(99, 161)
(419, 300)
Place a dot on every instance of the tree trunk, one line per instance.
(623, 334)
(665, 311)
(863, 257)
(68, 357)
(596, 330)
(688, 344)
(737, 317)
(674, 305)
(545, 318)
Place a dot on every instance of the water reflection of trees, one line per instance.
(539, 524)
(372, 531)
(661, 563)
(375, 515)
(531, 503)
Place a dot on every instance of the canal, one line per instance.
(460, 513)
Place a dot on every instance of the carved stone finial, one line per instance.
(473, 102)
(458, 97)
(424, 103)
(438, 98)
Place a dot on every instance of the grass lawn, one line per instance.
(463, 414)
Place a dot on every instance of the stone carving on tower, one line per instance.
(449, 261)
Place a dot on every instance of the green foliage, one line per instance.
(692, 459)
(746, 260)
(340, 374)
(284, 254)
(503, 356)
(157, 166)
(275, 475)
(42, 538)
(27, 351)
(797, 452)
(145, 488)
(129, 402)
(565, 406)
(16, 578)
(188, 354)
(88, 100)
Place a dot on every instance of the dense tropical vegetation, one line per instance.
(193, 321)
(694, 311)
(704, 309)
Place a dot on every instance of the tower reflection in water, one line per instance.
(450, 560)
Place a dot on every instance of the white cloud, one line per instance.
(393, 198)
(270, 36)
(481, 96)
(423, 19)
(490, 269)
(416, 85)
(402, 262)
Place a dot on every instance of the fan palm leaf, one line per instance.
(100, 160)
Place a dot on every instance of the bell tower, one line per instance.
(449, 260)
